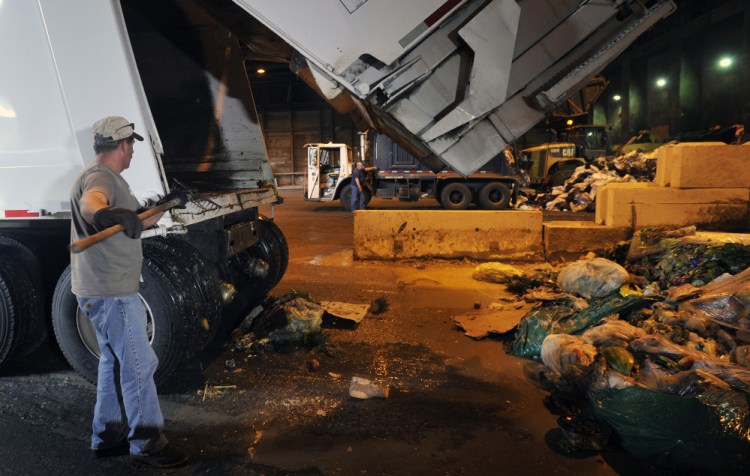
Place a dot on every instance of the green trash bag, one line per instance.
(560, 318)
(708, 433)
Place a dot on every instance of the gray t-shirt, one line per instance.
(111, 267)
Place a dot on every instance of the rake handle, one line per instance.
(90, 241)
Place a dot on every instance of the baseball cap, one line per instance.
(114, 128)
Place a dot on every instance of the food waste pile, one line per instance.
(648, 348)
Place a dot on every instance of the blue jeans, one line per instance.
(358, 199)
(126, 402)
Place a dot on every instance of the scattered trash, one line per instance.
(592, 278)
(363, 389)
(648, 358)
(496, 272)
(583, 434)
(725, 301)
(480, 324)
(354, 313)
(312, 364)
(559, 317)
(567, 355)
(210, 391)
(544, 279)
(230, 364)
(334, 375)
(292, 319)
(578, 193)
(379, 305)
(256, 440)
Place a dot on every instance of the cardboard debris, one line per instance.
(480, 324)
(347, 311)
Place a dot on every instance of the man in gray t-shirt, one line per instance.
(106, 280)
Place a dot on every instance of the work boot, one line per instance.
(168, 457)
(118, 449)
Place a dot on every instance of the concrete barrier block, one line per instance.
(602, 197)
(707, 165)
(398, 234)
(620, 201)
(664, 165)
(705, 216)
(570, 239)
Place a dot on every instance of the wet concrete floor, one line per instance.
(457, 406)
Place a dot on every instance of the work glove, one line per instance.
(175, 194)
(110, 216)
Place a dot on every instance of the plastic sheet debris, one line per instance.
(614, 332)
(363, 389)
(725, 301)
(496, 272)
(558, 318)
(567, 355)
(592, 278)
(652, 426)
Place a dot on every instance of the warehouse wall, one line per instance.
(684, 50)
(292, 115)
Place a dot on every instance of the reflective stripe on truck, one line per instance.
(20, 214)
(444, 9)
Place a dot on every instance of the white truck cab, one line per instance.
(329, 166)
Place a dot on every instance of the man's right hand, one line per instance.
(110, 216)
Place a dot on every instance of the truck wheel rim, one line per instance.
(496, 196)
(87, 333)
(456, 197)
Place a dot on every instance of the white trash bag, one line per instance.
(592, 278)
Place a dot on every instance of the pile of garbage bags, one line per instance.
(667, 372)
(578, 193)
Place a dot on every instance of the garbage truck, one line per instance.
(393, 173)
(178, 74)
(453, 81)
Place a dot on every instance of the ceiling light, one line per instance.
(726, 62)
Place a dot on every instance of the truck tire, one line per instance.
(167, 305)
(270, 229)
(188, 269)
(35, 325)
(345, 198)
(560, 176)
(20, 306)
(455, 196)
(494, 196)
(274, 250)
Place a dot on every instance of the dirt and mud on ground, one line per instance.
(456, 405)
